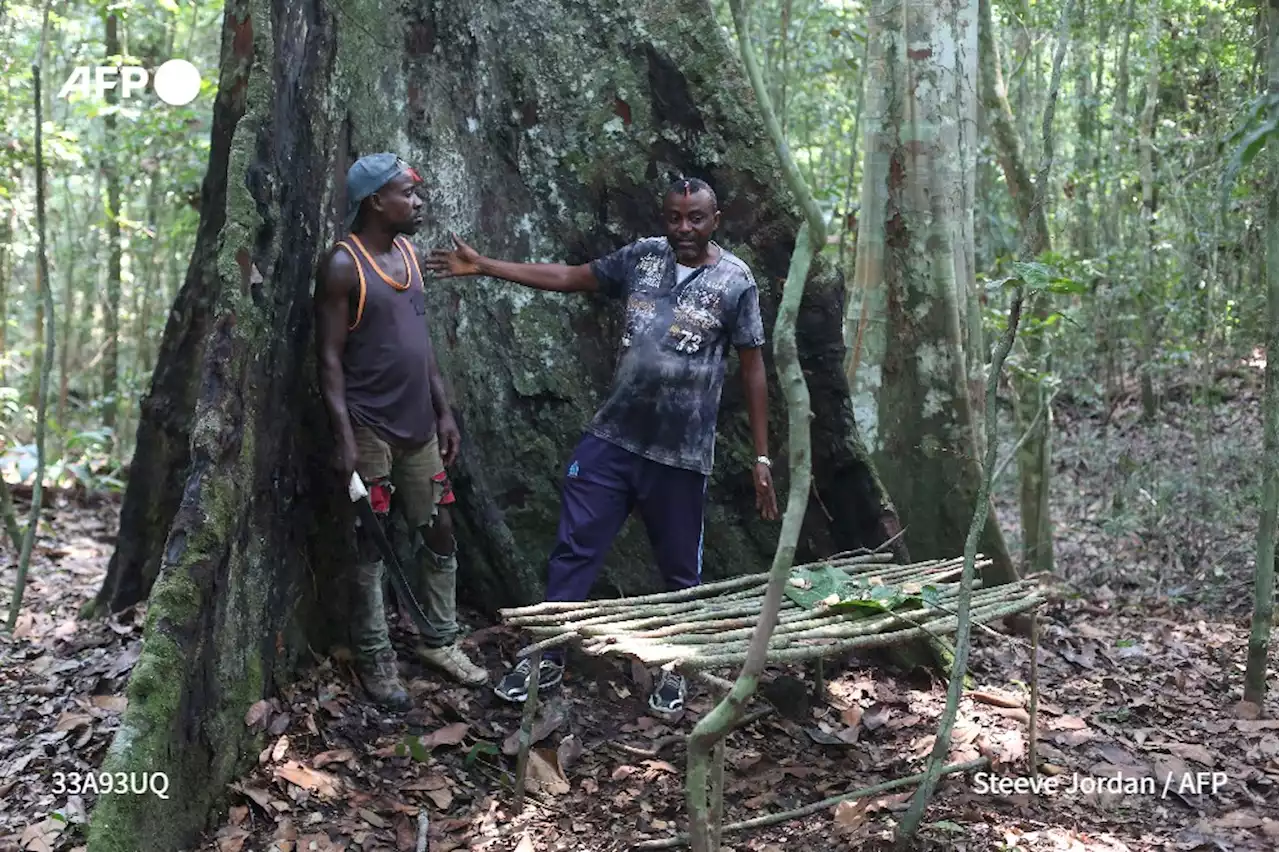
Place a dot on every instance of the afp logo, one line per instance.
(176, 82)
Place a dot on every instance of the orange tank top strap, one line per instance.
(413, 255)
(408, 272)
(342, 244)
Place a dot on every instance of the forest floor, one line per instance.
(1140, 678)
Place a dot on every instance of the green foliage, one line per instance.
(833, 590)
(160, 153)
(1258, 129)
(481, 747)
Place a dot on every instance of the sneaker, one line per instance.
(452, 660)
(382, 683)
(515, 685)
(667, 699)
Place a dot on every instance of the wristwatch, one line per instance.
(764, 460)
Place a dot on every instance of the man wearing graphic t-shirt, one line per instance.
(651, 445)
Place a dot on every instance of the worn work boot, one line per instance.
(453, 661)
(382, 682)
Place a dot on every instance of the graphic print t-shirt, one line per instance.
(666, 390)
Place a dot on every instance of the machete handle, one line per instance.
(355, 488)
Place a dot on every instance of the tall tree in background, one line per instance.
(233, 523)
(1151, 308)
(115, 249)
(1265, 557)
(913, 239)
(1031, 406)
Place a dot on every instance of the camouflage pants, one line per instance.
(407, 489)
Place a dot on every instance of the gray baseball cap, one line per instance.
(370, 174)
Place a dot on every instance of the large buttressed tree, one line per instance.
(544, 131)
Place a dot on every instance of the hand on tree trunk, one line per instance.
(463, 260)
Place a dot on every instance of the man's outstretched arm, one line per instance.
(555, 277)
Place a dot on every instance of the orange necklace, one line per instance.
(408, 270)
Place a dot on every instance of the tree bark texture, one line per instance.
(922, 55)
(1264, 568)
(1149, 308)
(115, 253)
(544, 131)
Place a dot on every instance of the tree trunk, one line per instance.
(1106, 299)
(111, 327)
(968, 321)
(1031, 409)
(7, 231)
(231, 508)
(911, 222)
(68, 304)
(153, 279)
(1146, 166)
(1085, 153)
(1264, 571)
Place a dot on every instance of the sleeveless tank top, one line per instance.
(388, 387)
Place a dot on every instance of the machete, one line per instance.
(369, 520)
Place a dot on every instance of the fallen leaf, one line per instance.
(257, 713)
(546, 774)
(899, 722)
(372, 818)
(238, 814)
(622, 772)
(660, 765)
(548, 722)
(1238, 819)
(1068, 723)
(849, 815)
(323, 783)
(324, 758)
(821, 737)
(71, 721)
(1190, 751)
(996, 699)
(406, 834)
(112, 703)
(279, 725)
(430, 782)
(851, 716)
(848, 735)
(1254, 727)
(448, 735)
(525, 844)
(1071, 739)
(1248, 710)
(233, 840)
(281, 748)
(259, 797)
(1017, 714)
(442, 798)
(877, 717)
(568, 752)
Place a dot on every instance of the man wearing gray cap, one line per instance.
(390, 415)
